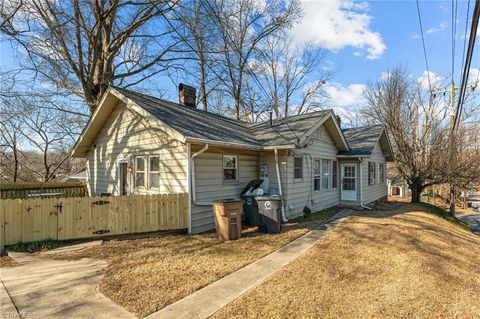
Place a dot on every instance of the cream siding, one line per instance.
(300, 193)
(378, 190)
(125, 134)
(209, 182)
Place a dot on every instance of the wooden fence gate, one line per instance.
(27, 220)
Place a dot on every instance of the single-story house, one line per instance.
(139, 144)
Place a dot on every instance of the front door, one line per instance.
(123, 178)
(349, 182)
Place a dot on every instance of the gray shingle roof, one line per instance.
(197, 124)
(362, 140)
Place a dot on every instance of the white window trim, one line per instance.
(334, 163)
(145, 169)
(149, 172)
(329, 179)
(224, 168)
(297, 178)
(319, 175)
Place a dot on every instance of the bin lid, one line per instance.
(227, 200)
(269, 197)
(254, 183)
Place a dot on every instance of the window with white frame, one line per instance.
(230, 168)
(382, 172)
(153, 172)
(298, 167)
(326, 173)
(371, 173)
(140, 169)
(334, 174)
(316, 175)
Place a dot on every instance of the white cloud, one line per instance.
(338, 24)
(345, 97)
(435, 79)
(440, 28)
(474, 76)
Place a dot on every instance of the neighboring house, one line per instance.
(138, 144)
(397, 186)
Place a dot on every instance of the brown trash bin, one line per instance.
(228, 218)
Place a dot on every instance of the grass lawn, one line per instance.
(403, 263)
(145, 275)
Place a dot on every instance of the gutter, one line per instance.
(279, 181)
(238, 145)
(192, 159)
(361, 185)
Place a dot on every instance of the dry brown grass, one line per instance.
(145, 275)
(6, 261)
(386, 265)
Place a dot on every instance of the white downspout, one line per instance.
(279, 181)
(361, 186)
(194, 192)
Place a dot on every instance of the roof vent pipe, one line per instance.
(187, 95)
(271, 118)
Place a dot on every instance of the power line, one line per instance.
(454, 33)
(424, 48)
(465, 34)
(468, 62)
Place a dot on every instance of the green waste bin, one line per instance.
(250, 207)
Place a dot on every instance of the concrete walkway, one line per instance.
(56, 289)
(208, 300)
(473, 220)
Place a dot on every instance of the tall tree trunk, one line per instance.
(416, 188)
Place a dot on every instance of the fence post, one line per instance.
(2, 228)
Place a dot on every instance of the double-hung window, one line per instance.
(298, 167)
(382, 172)
(230, 168)
(334, 174)
(153, 172)
(316, 175)
(326, 164)
(140, 169)
(147, 172)
(371, 173)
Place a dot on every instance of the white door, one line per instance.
(349, 182)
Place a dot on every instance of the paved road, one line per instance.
(473, 220)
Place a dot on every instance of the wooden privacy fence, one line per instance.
(26, 190)
(27, 220)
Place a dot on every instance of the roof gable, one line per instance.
(363, 140)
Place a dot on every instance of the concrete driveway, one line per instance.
(44, 288)
(473, 220)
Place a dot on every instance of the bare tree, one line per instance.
(10, 140)
(419, 130)
(196, 31)
(84, 46)
(286, 71)
(243, 26)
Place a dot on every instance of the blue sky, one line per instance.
(364, 39)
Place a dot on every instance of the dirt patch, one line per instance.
(6, 261)
(392, 264)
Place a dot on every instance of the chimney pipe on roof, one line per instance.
(339, 121)
(187, 95)
(271, 118)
